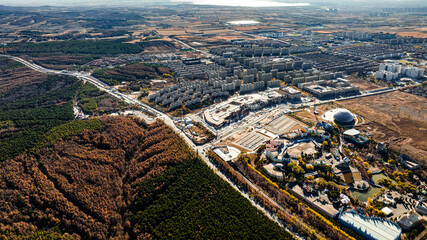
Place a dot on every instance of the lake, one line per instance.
(243, 22)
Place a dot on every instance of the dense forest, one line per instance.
(31, 104)
(62, 61)
(104, 47)
(107, 177)
(119, 178)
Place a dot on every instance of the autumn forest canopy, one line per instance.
(105, 177)
(126, 179)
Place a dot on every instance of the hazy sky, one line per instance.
(251, 3)
(245, 3)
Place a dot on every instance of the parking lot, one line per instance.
(281, 125)
(252, 141)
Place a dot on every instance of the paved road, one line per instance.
(198, 149)
(258, 36)
(160, 115)
(206, 54)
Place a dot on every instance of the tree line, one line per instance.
(117, 177)
(101, 47)
(35, 110)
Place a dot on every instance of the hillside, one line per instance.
(31, 103)
(122, 179)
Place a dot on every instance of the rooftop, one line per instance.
(375, 227)
(227, 153)
(351, 132)
(409, 220)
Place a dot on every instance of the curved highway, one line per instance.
(200, 150)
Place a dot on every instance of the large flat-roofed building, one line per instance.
(370, 228)
(325, 88)
(218, 115)
(226, 153)
(290, 93)
(355, 136)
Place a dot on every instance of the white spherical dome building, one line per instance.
(343, 116)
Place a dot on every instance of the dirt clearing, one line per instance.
(397, 118)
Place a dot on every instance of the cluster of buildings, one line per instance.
(265, 48)
(160, 57)
(248, 67)
(255, 62)
(306, 140)
(323, 88)
(379, 37)
(238, 106)
(374, 52)
(277, 151)
(408, 162)
(353, 135)
(364, 36)
(186, 93)
(336, 62)
(251, 50)
(191, 68)
(251, 70)
(305, 132)
(242, 74)
(391, 71)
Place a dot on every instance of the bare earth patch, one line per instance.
(398, 118)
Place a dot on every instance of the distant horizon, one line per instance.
(243, 3)
(234, 3)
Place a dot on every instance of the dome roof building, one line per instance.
(343, 116)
